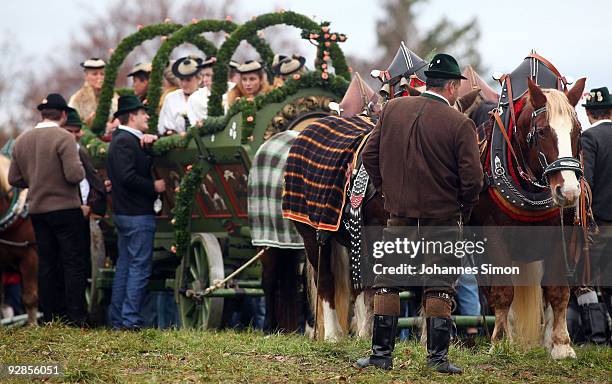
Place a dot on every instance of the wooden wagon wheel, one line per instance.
(198, 270)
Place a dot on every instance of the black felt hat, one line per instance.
(74, 120)
(208, 62)
(188, 66)
(53, 101)
(444, 66)
(289, 65)
(598, 98)
(128, 103)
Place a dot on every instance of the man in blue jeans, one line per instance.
(133, 195)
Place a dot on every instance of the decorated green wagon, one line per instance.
(202, 230)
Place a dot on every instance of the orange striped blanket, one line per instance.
(318, 170)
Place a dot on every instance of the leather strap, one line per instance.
(523, 174)
(510, 99)
(548, 64)
(387, 303)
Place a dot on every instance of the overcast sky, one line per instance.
(574, 35)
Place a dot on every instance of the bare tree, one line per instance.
(102, 33)
(400, 23)
(11, 89)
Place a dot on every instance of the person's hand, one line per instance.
(160, 185)
(86, 209)
(108, 186)
(147, 139)
(112, 125)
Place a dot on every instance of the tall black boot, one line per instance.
(438, 340)
(594, 323)
(383, 343)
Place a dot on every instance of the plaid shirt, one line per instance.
(265, 194)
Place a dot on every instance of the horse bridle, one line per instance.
(565, 163)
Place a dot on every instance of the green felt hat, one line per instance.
(73, 120)
(598, 98)
(444, 66)
(128, 103)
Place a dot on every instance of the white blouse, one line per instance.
(173, 112)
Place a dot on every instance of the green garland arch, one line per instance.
(250, 28)
(216, 122)
(187, 34)
(227, 49)
(336, 84)
(126, 46)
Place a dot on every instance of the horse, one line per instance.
(283, 248)
(326, 251)
(546, 135)
(17, 240)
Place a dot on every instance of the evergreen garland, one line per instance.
(335, 84)
(188, 34)
(244, 32)
(328, 50)
(184, 198)
(110, 73)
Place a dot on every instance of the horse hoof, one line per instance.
(562, 351)
(333, 338)
(309, 331)
(365, 333)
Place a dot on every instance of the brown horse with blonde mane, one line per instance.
(546, 139)
(17, 240)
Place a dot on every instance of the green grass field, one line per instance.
(153, 356)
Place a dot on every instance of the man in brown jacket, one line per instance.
(46, 160)
(423, 156)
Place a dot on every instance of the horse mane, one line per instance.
(4, 167)
(558, 106)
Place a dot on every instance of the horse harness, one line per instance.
(498, 166)
(513, 89)
(361, 191)
(13, 216)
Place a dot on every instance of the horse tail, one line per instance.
(342, 285)
(311, 298)
(527, 306)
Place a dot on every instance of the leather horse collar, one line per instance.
(514, 87)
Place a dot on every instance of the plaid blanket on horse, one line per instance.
(265, 193)
(316, 176)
